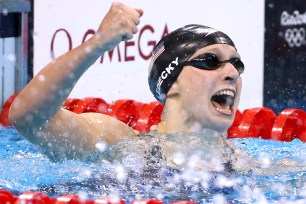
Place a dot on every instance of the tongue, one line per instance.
(218, 105)
(222, 100)
(229, 101)
(225, 109)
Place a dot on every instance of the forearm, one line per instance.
(45, 94)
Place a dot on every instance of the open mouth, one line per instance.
(223, 101)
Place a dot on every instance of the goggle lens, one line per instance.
(211, 62)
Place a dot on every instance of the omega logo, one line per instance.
(139, 41)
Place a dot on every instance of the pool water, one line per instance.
(23, 168)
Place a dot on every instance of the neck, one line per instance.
(189, 136)
(175, 118)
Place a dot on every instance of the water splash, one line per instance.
(132, 177)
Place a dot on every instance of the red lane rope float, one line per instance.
(231, 131)
(5, 111)
(302, 134)
(290, 124)
(126, 111)
(33, 198)
(70, 199)
(91, 104)
(108, 200)
(255, 122)
(147, 201)
(6, 197)
(71, 103)
(148, 116)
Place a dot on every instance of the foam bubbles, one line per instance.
(84, 172)
(179, 158)
(223, 181)
(193, 160)
(101, 146)
(121, 174)
(265, 161)
(219, 199)
(83, 196)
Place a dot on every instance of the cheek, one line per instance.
(200, 81)
(195, 83)
(197, 94)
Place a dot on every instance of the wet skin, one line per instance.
(196, 88)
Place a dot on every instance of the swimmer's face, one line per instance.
(211, 97)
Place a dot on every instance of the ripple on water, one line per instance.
(23, 168)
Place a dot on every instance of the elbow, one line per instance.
(14, 115)
(27, 120)
(21, 122)
(19, 118)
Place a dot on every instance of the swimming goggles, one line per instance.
(210, 61)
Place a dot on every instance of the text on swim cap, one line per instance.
(164, 75)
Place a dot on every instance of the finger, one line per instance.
(127, 36)
(136, 20)
(132, 26)
(139, 11)
(134, 15)
(134, 30)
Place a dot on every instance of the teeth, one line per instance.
(226, 92)
(226, 111)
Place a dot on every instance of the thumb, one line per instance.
(140, 11)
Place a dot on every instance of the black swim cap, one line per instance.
(174, 49)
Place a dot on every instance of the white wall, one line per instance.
(242, 20)
(7, 68)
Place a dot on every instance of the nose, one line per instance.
(229, 73)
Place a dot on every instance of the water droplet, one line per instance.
(82, 196)
(88, 49)
(41, 77)
(219, 199)
(271, 5)
(101, 146)
(11, 57)
(5, 12)
(179, 158)
(265, 161)
(121, 174)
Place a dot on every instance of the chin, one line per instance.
(222, 125)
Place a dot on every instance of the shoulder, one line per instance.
(112, 129)
(70, 135)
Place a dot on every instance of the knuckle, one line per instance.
(135, 30)
(116, 4)
(123, 22)
(128, 36)
(137, 21)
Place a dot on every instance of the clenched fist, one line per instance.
(119, 24)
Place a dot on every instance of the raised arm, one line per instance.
(37, 109)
